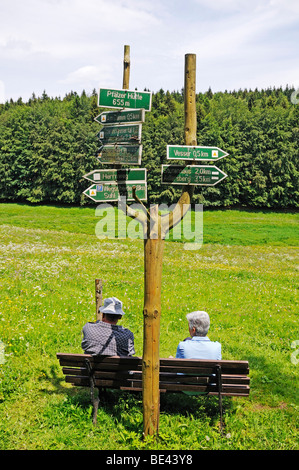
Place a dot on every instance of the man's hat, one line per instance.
(113, 306)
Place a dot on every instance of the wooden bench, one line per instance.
(221, 378)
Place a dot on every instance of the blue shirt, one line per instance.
(199, 347)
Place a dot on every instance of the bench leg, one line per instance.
(219, 380)
(94, 399)
(95, 404)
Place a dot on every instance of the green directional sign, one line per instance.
(110, 98)
(185, 152)
(121, 117)
(107, 192)
(128, 154)
(123, 174)
(130, 133)
(192, 174)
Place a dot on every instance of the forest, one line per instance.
(47, 144)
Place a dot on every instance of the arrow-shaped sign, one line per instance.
(186, 152)
(192, 174)
(103, 192)
(120, 175)
(121, 117)
(130, 133)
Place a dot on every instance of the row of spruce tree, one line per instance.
(48, 144)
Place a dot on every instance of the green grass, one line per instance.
(245, 276)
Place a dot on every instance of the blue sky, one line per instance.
(63, 45)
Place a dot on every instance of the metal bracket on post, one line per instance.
(219, 383)
(94, 399)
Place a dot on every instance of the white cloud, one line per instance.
(89, 76)
(58, 44)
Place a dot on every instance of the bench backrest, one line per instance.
(125, 373)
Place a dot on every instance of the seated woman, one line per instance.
(199, 345)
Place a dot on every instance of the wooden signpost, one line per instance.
(155, 227)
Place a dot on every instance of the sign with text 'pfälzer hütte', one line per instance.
(110, 98)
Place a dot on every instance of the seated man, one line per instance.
(198, 346)
(105, 337)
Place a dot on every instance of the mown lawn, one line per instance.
(245, 276)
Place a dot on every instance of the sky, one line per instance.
(60, 46)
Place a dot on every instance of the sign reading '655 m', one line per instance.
(109, 98)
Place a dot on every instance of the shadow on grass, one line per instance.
(122, 405)
(126, 407)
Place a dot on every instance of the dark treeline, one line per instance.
(48, 144)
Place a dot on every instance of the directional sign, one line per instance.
(103, 192)
(121, 117)
(130, 133)
(185, 152)
(192, 174)
(123, 174)
(109, 98)
(129, 154)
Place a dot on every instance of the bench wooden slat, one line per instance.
(174, 362)
(166, 364)
(168, 377)
(196, 369)
(79, 360)
(230, 389)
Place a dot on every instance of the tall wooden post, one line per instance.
(155, 229)
(126, 74)
(153, 255)
(190, 99)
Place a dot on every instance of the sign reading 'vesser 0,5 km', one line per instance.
(188, 152)
(109, 98)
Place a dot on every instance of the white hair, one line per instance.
(200, 321)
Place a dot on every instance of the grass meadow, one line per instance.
(245, 276)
